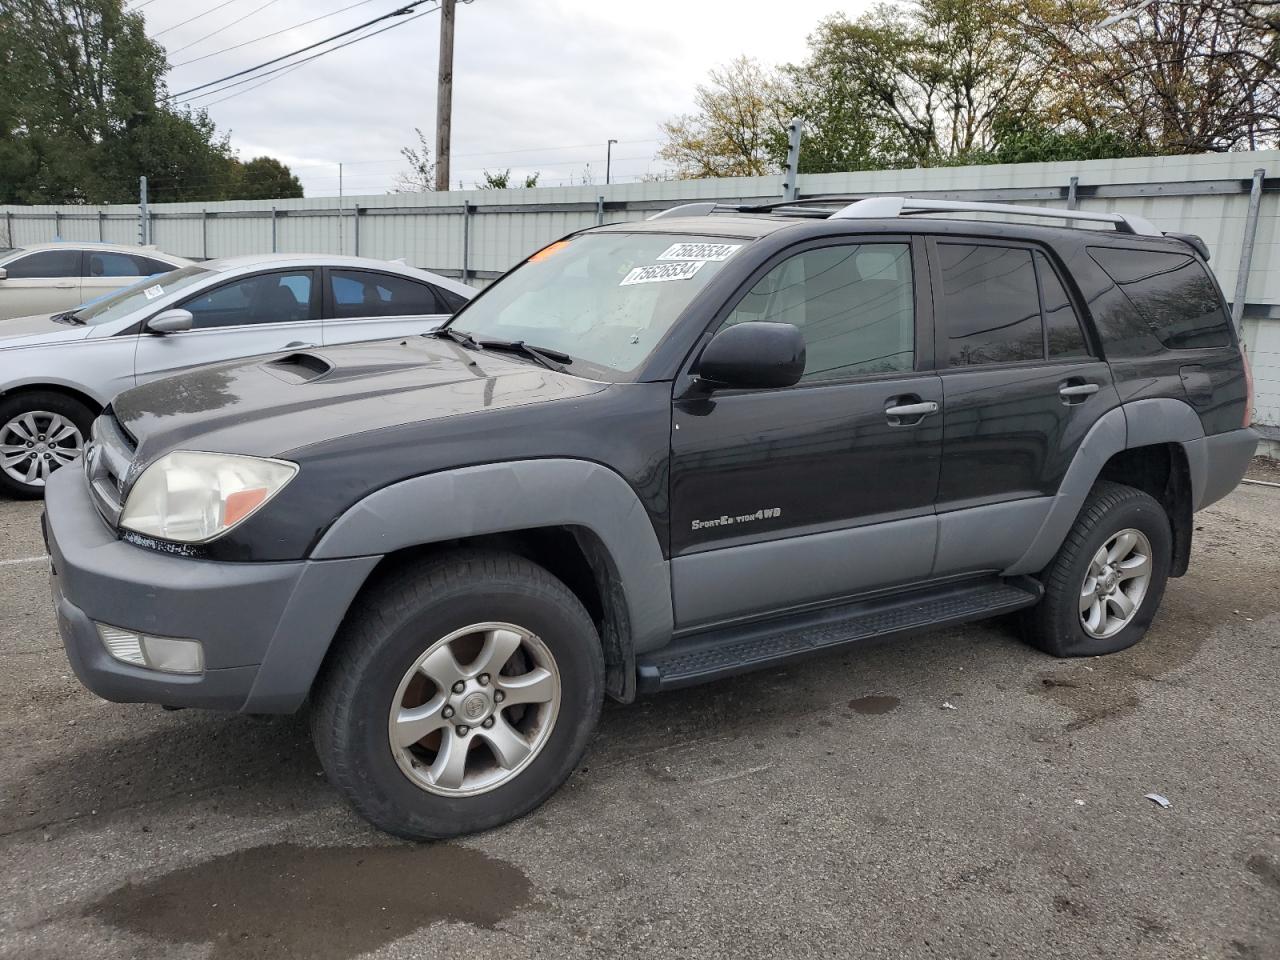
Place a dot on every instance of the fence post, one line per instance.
(791, 185)
(8, 229)
(144, 219)
(273, 229)
(204, 234)
(355, 230)
(102, 220)
(1073, 201)
(1246, 249)
(466, 240)
(57, 224)
(599, 210)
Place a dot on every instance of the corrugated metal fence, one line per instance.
(478, 234)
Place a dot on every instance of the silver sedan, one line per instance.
(57, 372)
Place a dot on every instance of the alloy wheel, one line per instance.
(1115, 584)
(35, 443)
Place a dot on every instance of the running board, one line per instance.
(727, 651)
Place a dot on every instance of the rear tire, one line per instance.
(387, 679)
(1103, 587)
(40, 431)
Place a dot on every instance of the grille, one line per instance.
(106, 465)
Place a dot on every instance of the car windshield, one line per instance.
(136, 295)
(604, 299)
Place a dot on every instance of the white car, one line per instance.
(52, 277)
(57, 372)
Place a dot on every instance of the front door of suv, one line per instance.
(1022, 385)
(784, 497)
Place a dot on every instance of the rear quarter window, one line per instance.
(1172, 292)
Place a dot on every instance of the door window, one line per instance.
(358, 293)
(111, 263)
(263, 298)
(1063, 333)
(991, 306)
(46, 264)
(854, 304)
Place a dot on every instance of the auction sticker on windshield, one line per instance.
(152, 292)
(661, 272)
(700, 251)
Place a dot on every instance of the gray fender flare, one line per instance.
(520, 495)
(1137, 424)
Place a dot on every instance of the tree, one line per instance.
(263, 178)
(734, 132)
(84, 111)
(501, 180)
(1177, 76)
(421, 175)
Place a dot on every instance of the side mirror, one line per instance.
(754, 354)
(170, 321)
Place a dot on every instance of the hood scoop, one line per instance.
(298, 367)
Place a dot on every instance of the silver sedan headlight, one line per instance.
(193, 497)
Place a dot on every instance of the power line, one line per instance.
(183, 23)
(268, 36)
(311, 46)
(290, 67)
(225, 26)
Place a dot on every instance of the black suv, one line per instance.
(651, 455)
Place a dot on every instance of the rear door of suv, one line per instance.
(1022, 384)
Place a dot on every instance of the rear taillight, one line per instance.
(1248, 387)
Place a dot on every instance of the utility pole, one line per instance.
(608, 159)
(143, 221)
(444, 93)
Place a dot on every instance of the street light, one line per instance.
(608, 158)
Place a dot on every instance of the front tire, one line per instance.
(460, 694)
(40, 431)
(1103, 587)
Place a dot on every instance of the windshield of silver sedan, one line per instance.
(121, 303)
(604, 300)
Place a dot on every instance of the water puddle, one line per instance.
(320, 903)
(874, 705)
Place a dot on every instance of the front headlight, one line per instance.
(194, 497)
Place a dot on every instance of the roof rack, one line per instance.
(890, 207)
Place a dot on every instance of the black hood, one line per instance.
(270, 406)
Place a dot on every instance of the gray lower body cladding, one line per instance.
(264, 627)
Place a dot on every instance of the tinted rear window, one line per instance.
(991, 305)
(1172, 292)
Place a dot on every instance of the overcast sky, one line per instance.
(538, 84)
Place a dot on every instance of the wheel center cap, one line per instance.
(1109, 580)
(474, 706)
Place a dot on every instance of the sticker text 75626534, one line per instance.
(661, 272)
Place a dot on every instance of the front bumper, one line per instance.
(265, 627)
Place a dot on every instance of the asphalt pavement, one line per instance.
(954, 795)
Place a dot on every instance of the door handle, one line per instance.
(912, 409)
(298, 345)
(1075, 392)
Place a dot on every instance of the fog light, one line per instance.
(154, 653)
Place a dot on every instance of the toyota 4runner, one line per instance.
(651, 455)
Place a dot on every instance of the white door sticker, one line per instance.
(660, 272)
(152, 292)
(700, 251)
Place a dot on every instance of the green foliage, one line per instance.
(421, 175)
(83, 112)
(948, 82)
(264, 178)
(501, 180)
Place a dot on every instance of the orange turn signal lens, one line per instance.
(242, 503)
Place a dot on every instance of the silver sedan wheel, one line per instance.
(475, 709)
(35, 443)
(1115, 584)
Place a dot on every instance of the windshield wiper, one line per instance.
(551, 359)
(67, 317)
(457, 336)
